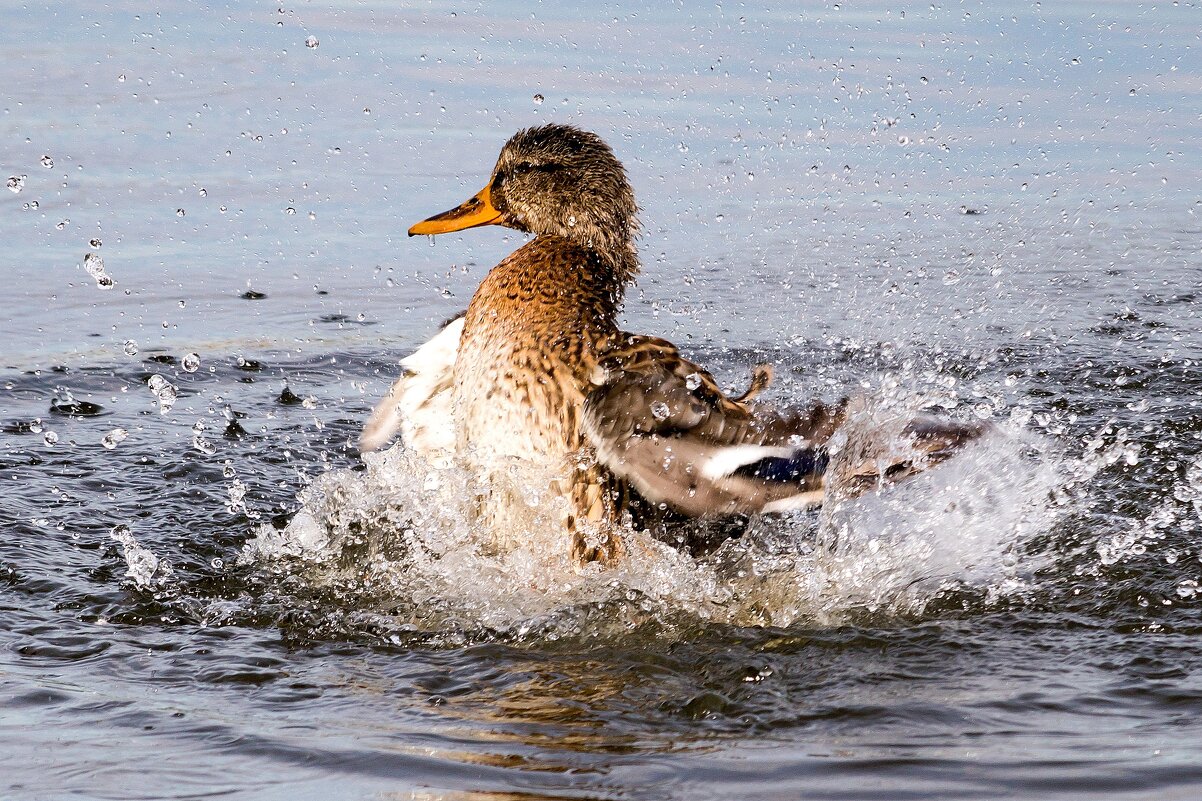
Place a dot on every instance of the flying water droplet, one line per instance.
(94, 243)
(311, 42)
(51, 439)
(113, 438)
(130, 347)
(660, 410)
(692, 381)
(95, 268)
(191, 363)
(164, 392)
(16, 183)
(144, 567)
(47, 162)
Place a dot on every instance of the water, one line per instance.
(990, 209)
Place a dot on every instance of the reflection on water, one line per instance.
(991, 208)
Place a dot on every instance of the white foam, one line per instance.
(406, 532)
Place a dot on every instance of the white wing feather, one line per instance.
(419, 403)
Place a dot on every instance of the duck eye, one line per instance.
(524, 166)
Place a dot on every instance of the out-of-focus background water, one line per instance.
(998, 205)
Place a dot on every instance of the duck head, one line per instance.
(553, 180)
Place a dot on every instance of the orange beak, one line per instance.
(478, 210)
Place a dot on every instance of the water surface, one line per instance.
(992, 208)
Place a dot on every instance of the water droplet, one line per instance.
(180, 212)
(121, 78)
(572, 221)
(47, 162)
(923, 80)
(191, 363)
(114, 438)
(95, 243)
(903, 140)
(290, 210)
(35, 426)
(217, 563)
(130, 347)
(692, 381)
(538, 100)
(660, 410)
(94, 265)
(16, 183)
(311, 42)
(309, 403)
(51, 439)
(164, 392)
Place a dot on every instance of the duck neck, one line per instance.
(614, 249)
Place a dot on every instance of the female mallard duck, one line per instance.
(536, 372)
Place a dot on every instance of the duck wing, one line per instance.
(419, 403)
(661, 423)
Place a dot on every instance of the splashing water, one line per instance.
(403, 537)
(146, 569)
(94, 265)
(164, 392)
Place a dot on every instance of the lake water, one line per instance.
(994, 209)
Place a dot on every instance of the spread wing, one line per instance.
(419, 403)
(662, 423)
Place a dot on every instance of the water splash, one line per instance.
(146, 569)
(94, 265)
(404, 538)
(165, 393)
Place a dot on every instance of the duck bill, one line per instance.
(478, 210)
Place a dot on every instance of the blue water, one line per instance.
(997, 200)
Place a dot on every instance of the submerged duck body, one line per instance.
(536, 375)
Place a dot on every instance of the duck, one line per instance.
(621, 429)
